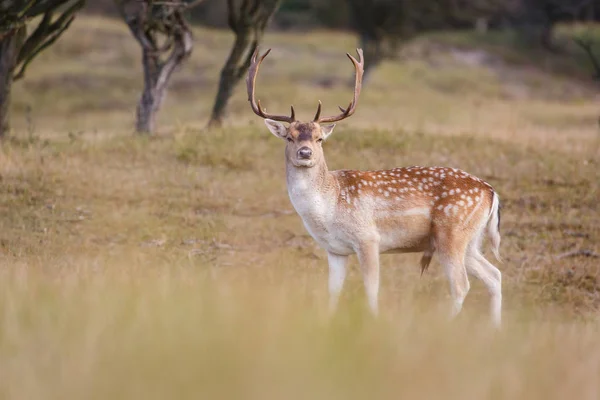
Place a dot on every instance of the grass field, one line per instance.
(175, 267)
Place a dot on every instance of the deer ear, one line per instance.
(327, 130)
(276, 128)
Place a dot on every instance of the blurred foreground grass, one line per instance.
(175, 267)
(182, 334)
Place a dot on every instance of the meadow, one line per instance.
(174, 266)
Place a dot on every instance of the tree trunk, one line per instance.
(156, 78)
(8, 57)
(151, 99)
(233, 71)
(248, 21)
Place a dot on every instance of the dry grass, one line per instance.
(174, 266)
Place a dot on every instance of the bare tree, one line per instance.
(166, 40)
(18, 48)
(248, 20)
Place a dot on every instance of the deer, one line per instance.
(414, 209)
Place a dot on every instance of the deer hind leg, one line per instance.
(368, 257)
(451, 250)
(482, 269)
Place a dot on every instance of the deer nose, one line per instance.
(304, 153)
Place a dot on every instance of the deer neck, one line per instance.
(311, 190)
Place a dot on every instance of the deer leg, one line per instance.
(459, 284)
(491, 277)
(368, 257)
(337, 275)
(451, 255)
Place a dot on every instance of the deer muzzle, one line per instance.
(305, 153)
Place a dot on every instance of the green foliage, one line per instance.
(406, 18)
(295, 5)
(250, 15)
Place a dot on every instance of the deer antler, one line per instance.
(251, 85)
(359, 66)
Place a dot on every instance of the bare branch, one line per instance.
(45, 35)
(19, 49)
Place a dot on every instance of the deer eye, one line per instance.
(319, 140)
(289, 139)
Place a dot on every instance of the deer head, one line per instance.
(304, 139)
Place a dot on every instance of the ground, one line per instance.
(175, 266)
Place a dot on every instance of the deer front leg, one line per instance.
(368, 257)
(337, 275)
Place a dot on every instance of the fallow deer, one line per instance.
(400, 210)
